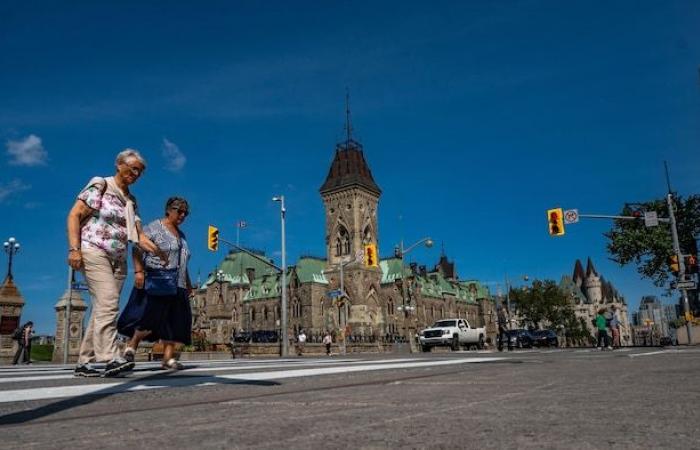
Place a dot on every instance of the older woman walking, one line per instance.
(164, 316)
(101, 223)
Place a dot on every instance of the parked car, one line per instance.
(519, 338)
(545, 338)
(452, 332)
(241, 336)
(265, 336)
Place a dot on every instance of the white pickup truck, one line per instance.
(453, 332)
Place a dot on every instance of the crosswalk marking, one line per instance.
(122, 385)
(144, 371)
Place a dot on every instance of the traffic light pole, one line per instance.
(681, 265)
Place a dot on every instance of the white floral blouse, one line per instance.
(106, 228)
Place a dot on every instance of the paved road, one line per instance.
(639, 398)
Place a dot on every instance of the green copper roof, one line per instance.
(236, 265)
(391, 270)
(571, 289)
(310, 270)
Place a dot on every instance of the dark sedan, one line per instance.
(545, 338)
(519, 339)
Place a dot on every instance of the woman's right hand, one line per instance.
(75, 259)
(139, 279)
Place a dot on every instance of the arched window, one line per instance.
(252, 314)
(342, 242)
(265, 313)
(367, 235)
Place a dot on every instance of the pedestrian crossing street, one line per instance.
(45, 382)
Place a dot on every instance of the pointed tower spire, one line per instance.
(579, 274)
(348, 124)
(590, 269)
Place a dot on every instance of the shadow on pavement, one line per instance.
(152, 381)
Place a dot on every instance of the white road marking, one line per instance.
(126, 385)
(648, 354)
(62, 375)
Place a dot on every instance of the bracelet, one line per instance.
(137, 271)
(74, 249)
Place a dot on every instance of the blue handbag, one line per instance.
(163, 282)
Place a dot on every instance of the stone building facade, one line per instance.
(247, 297)
(589, 292)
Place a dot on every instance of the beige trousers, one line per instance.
(105, 279)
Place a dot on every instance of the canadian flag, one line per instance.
(241, 224)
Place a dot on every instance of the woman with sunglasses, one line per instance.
(167, 318)
(101, 223)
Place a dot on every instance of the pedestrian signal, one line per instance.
(691, 264)
(371, 255)
(213, 239)
(556, 222)
(673, 264)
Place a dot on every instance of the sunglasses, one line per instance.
(181, 211)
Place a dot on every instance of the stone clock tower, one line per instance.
(350, 197)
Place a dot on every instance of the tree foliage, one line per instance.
(630, 242)
(543, 304)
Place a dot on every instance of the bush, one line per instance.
(42, 352)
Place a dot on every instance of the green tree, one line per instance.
(543, 303)
(630, 242)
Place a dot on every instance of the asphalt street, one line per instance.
(629, 398)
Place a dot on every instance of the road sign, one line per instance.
(687, 285)
(76, 286)
(651, 219)
(335, 293)
(571, 216)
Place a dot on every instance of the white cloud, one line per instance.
(11, 188)
(27, 152)
(174, 158)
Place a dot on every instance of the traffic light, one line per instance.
(213, 238)
(673, 264)
(556, 221)
(691, 264)
(371, 255)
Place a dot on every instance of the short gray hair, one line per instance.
(176, 202)
(129, 153)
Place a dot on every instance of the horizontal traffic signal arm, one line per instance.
(603, 216)
(248, 252)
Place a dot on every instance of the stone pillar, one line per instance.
(75, 325)
(11, 304)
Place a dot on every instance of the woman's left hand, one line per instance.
(148, 246)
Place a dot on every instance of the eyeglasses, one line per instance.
(181, 211)
(135, 169)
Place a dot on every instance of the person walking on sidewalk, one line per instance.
(328, 341)
(163, 316)
(25, 344)
(602, 326)
(503, 329)
(101, 223)
(614, 327)
(301, 342)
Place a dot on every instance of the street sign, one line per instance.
(687, 285)
(77, 286)
(335, 293)
(651, 219)
(571, 216)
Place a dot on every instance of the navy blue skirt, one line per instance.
(167, 317)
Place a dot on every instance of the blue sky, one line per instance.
(475, 118)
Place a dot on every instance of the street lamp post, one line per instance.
(283, 325)
(407, 308)
(11, 248)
